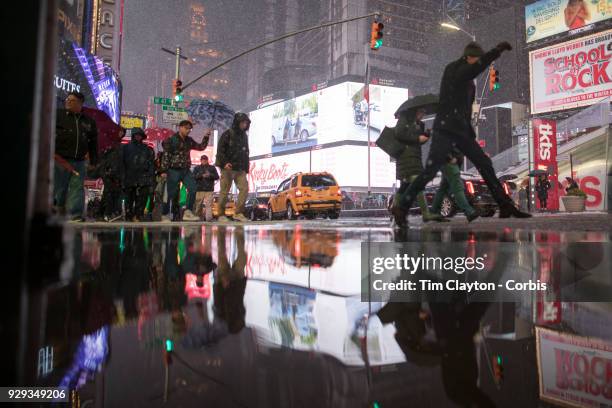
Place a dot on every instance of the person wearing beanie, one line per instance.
(138, 169)
(453, 129)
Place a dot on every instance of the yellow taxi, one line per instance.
(308, 194)
(230, 206)
(306, 247)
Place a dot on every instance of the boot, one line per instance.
(399, 216)
(508, 210)
(427, 215)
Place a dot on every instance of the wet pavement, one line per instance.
(270, 315)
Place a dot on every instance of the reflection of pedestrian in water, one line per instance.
(576, 14)
(230, 282)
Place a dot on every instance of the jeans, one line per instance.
(175, 176)
(238, 177)
(442, 144)
(452, 186)
(68, 191)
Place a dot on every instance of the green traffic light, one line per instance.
(169, 345)
(379, 43)
(499, 360)
(178, 98)
(496, 87)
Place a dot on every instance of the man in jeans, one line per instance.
(233, 160)
(205, 175)
(176, 167)
(76, 137)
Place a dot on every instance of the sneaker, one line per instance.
(223, 218)
(76, 219)
(399, 217)
(165, 218)
(189, 216)
(240, 218)
(135, 219)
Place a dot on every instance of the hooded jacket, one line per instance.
(457, 93)
(138, 163)
(407, 132)
(233, 146)
(76, 135)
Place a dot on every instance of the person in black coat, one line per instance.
(138, 166)
(453, 128)
(542, 187)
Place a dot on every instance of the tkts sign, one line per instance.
(545, 156)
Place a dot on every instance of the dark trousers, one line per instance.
(111, 198)
(136, 200)
(441, 145)
(175, 176)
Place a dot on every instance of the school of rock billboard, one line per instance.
(571, 74)
(574, 371)
(546, 18)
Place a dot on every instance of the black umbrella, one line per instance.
(507, 177)
(429, 102)
(536, 173)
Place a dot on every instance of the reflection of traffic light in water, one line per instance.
(498, 369)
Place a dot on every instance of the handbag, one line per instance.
(389, 144)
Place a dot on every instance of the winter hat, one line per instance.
(473, 49)
(139, 131)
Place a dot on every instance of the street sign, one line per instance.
(162, 101)
(174, 117)
(172, 108)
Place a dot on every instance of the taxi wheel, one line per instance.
(290, 212)
(270, 213)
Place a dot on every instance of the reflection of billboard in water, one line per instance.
(291, 315)
(332, 114)
(80, 71)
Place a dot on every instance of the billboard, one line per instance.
(347, 163)
(129, 121)
(80, 71)
(333, 114)
(571, 74)
(550, 17)
(70, 19)
(545, 157)
(574, 371)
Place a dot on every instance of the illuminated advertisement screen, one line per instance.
(333, 114)
(571, 74)
(550, 17)
(80, 71)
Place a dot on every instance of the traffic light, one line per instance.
(498, 369)
(376, 36)
(177, 90)
(168, 350)
(493, 79)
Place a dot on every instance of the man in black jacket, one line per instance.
(176, 164)
(138, 169)
(453, 128)
(233, 160)
(76, 137)
(205, 176)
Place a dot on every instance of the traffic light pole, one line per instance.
(282, 37)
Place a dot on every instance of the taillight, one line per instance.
(470, 187)
(506, 189)
(262, 206)
(298, 193)
(339, 193)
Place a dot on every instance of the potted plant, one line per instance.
(574, 200)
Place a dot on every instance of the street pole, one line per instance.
(367, 88)
(178, 63)
(282, 37)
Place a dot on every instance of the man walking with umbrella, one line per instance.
(453, 128)
(176, 166)
(542, 187)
